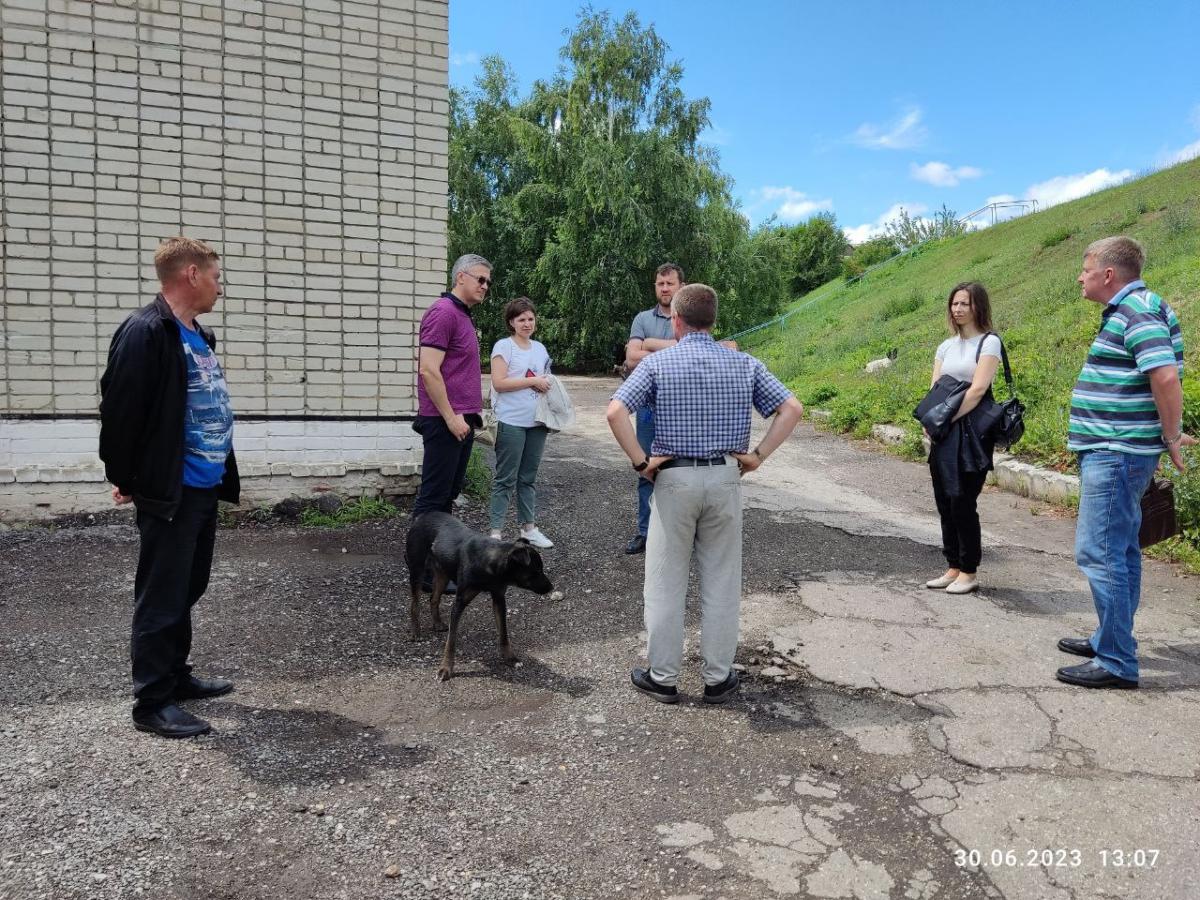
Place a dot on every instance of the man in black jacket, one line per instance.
(166, 439)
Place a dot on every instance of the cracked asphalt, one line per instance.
(890, 741)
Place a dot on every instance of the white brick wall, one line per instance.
(305, 139)
(49, 467)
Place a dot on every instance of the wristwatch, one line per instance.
(641, 467)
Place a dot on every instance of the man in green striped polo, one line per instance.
(1127, 407)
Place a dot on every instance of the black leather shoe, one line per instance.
(200, 688)
(170, 722)
(1093, 675)
(637, 544)
(719, 693)
(643, 682)
(1078, 646)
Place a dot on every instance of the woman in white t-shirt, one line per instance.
(972, 355)
(519, 369)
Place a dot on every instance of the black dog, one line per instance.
(476, 563)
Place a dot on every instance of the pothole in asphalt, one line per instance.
(303, 746)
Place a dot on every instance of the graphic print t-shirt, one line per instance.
(208, 420)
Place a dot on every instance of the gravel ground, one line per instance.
(339, 768)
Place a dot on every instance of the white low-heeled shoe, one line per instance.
(941, 581)
(962, 587)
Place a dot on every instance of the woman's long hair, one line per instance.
(981, 306)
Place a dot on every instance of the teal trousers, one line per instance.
(518, 455)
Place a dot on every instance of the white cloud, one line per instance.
(795, 206)
(1070, 187)
(858, 233)
(941, 174)
(470, 58)
(1183, 154)
(905, 133)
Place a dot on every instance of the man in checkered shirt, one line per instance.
(702, 395)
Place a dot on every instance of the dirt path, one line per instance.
(907, 730)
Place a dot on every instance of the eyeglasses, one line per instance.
(483, 280)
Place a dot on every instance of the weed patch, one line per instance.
(478, 483)
(1056, 237)
(351, 512)
(901, 306)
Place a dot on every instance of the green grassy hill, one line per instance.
(1029, 266)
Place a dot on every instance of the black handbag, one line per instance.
(1159, 521)
(938, 408)
(1003, 422)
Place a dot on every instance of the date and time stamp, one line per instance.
(1056, 858)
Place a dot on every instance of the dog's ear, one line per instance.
(521, 554)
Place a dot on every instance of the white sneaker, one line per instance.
(495, 534)
(536, 538)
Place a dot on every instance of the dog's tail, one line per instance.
(416, 553)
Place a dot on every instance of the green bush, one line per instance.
(822, 393)
(848, 410)
(1191, 405)
(1187, 497)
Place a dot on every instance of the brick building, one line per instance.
(305, 140)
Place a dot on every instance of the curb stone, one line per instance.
(1010, 474)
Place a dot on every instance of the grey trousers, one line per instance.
(694, 510)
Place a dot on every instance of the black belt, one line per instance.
(687, 461)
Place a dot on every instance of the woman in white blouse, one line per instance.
(972, 356)
(519, 369)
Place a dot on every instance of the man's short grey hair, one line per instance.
(1121, 253)
(696, 304)
(465, 262)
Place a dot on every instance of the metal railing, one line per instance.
(1024, 206)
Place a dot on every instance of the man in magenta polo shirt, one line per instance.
(449, 387)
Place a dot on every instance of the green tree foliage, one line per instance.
(815, 251)
(867, 254)
(907, 231)
(578, 191)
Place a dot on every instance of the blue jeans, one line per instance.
(1108, 552)
(645, 436)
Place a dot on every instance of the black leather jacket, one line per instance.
(962, 450)
(143, 400)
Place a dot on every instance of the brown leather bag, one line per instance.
(1158, 513)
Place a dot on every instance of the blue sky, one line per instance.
(861, 107)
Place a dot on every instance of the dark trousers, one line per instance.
(443, 465)
(961, 540)
(645, 488)
(172, 574)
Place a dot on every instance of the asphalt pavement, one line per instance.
(889, 742)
